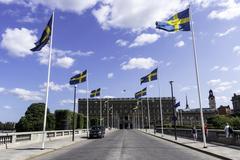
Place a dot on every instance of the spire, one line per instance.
(187, 106)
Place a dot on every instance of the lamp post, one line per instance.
(174, 111)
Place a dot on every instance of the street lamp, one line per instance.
(174, 111)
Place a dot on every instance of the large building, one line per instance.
(128, 112)
(236, 103)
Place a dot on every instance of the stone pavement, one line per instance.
(218, 150)
(26, 152)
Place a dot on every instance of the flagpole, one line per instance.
(160, 102)
(74, 106)
(197, 78)
(142, 114)
(47, 90)
(148, 115)
(87, 107)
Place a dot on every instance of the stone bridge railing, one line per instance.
(214, 135)
(33, 137)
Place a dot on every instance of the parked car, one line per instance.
(97, 132)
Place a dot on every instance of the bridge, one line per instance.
(118, 144)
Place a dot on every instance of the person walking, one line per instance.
(206, 129)
(226, 130)
(194, 133)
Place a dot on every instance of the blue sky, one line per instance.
(117, 42)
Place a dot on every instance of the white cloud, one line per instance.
(223, 99)
(60, 57)
(27, 19)
(139, 63)
(184, 89)
(218, 68)
(76, 72)
(121, 42)
(221, 86)
(237, 68)
(214, 82)
(230, 30)
(75, 6)
(54, 87)
(168, 64)
(65, 62)
(82, 91)
(67, 101)
(109, 97)
(215, 68)
(236, 50)
(135, 14)
(224, 69)
(7, 107)
(3, 61)
(18, 42)
(2, 89)
(180, 44)
(144, 39)
(107, 58)
(230, 9)
(110, 75)
(27, 95)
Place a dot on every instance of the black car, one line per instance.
(97, 132)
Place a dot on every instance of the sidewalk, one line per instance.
(220, 151)
(29, 151)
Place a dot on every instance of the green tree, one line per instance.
(80, 121)
(63, 119)
(33, 119)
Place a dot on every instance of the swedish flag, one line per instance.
(79, 78)
(150, 77)
(178, 22)
(95, 93)
(141, 93)
(45, 37)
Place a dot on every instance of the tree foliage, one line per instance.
(219, 121)
(33, 119)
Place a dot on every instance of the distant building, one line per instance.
(224, 110)
(125, 112)
(192, 116)
(236, 103)
(211, 100)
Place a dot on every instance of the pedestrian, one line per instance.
(194, 133)
(230, 130)
(226, 130)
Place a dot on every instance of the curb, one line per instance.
(197, 149)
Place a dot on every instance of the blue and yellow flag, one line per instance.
(79, 78)
(141, 93)
(178, 22)
(95, 93)
(150, 77)
(45, 37)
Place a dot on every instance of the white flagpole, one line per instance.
(197, 78)
(87, 107)
(160, 102)
(48, 81)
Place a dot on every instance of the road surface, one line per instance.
(126, 145)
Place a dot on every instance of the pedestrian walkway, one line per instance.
(217, 150)
(25, 152)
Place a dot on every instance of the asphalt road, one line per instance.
(126, 145)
